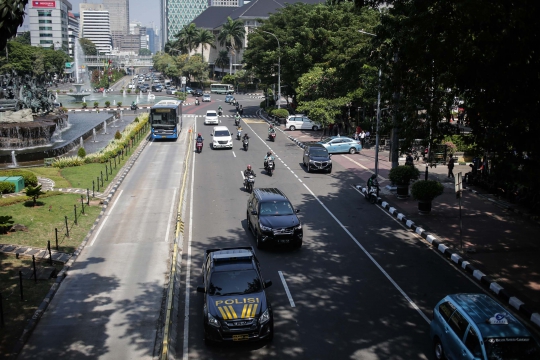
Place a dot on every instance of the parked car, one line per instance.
(272, 219)
(189, 90)
(301, 122)
(157, 88)
(316, 157)
(341, 144)
(474, 326)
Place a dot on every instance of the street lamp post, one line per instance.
(377, 137)
(279, 68)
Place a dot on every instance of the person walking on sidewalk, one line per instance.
(451, 167)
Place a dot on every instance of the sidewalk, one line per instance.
(498, 241)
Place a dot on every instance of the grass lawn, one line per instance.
(17, 312)
(51, 173)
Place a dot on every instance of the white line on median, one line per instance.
(170, 217)
(286, 288)
(234, 154)
(106, 217)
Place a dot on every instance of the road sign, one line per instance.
(183, 80)
(458, 184)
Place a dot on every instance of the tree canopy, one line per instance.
(88, 47)
(11, 17)
(33, 59)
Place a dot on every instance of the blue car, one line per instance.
(475, 327)
(341, 144)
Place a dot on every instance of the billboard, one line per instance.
(44, 4)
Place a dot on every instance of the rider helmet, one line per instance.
(249, 167)
(199, 135)
(374, 176)
(269, 153)
(271, 126)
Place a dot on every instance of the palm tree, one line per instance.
(186, 37)
(231, 35)
(222, 59)
(204, 38)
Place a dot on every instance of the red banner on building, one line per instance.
(43, 4)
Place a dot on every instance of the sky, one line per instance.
(143, 11)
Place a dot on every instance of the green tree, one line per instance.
(204, 38)
(232, 35)
(11, 17)
(187, 37)
(88, 47)
(222, 59)
(145, 52)
(6, 223)
(34, 192)
(195, 67)
(23, 38)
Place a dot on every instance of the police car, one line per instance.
(235, 304)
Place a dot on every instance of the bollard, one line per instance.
(56, 236)
(34, 266)
(93, 189)
(97, 183)
(75, 212)
(20, 285)
(88, 196)
(67, 227)
(110, 166)
(101, 178)
(106, 173)
(82, 204)
(49, 248)
(115, 162)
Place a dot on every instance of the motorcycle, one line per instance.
(249, 182)
(373, 194)
(270, 167)
(220, 112)
(134, 107)
(197, 102)
(236, 121)
(238, 134)
(272, 136)
(246, 144)
(199, 146)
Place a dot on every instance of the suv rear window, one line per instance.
(222, 133)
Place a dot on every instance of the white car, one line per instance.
(206, 97)
(221, 138)
(302, 122)
(211, 117)
(131, 86)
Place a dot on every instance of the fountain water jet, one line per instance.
(13, 159)
(105, 127)
(82, 142)
(94, 135)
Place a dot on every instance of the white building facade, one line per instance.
(95, 26)
(49, 23)
(73, 33)
(119, 19)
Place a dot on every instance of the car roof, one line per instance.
(232, 258)
(217, 128)
(269, 194)
(211, 111)
(320, 146)
(481, 308)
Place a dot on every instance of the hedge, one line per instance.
(29, 177)
(6, 187)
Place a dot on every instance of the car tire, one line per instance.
(329, 171)
(438, 351)
(248, 221)
(292, 127)
(315, 128)
(258, 239)
(308, 168)
(298, 244)
(271, 336)
(352, 151)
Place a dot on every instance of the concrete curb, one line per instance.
(447, 252)
(31, 325)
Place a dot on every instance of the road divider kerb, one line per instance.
(172, 277)
(448, 253)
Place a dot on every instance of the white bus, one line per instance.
(221, 89)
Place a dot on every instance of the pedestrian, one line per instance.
(362, 137)
(451, 167)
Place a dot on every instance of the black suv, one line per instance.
(197, 92)
(316, 157)
(272, 219)
(235, 304)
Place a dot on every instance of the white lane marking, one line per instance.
(185, 349)
(170, 217)
(363, 167)
(403, 293)
(286, 288)
(242, 173)
(234, 153)
(106, 217)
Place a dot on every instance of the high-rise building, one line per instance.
(179, 13)
(233, 3)
(144, 39)
(49, 23)
(73, 32)
(119, 17)
(151, 40)
(95, 26)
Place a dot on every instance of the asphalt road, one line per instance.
(362, 286)
(109, 305)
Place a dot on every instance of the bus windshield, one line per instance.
(163, 118)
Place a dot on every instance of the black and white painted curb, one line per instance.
(30, 326)
(484, 279)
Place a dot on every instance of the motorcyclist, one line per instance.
(197, 101)
(249, 171)
(246, 137)
(268, 156)
(239, 131)
(372, 182)
(409, 160)
(199, 138)
(271, 129)
(220, 109)
(237, 119)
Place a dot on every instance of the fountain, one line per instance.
(82, 142)
(13, 159)
(105, 127)
(79, 94)
(94, 135)
(121, 115)
(114, 102)
(124, 93)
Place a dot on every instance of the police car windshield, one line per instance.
(276, 208)
(239, 282)
(522, 348)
